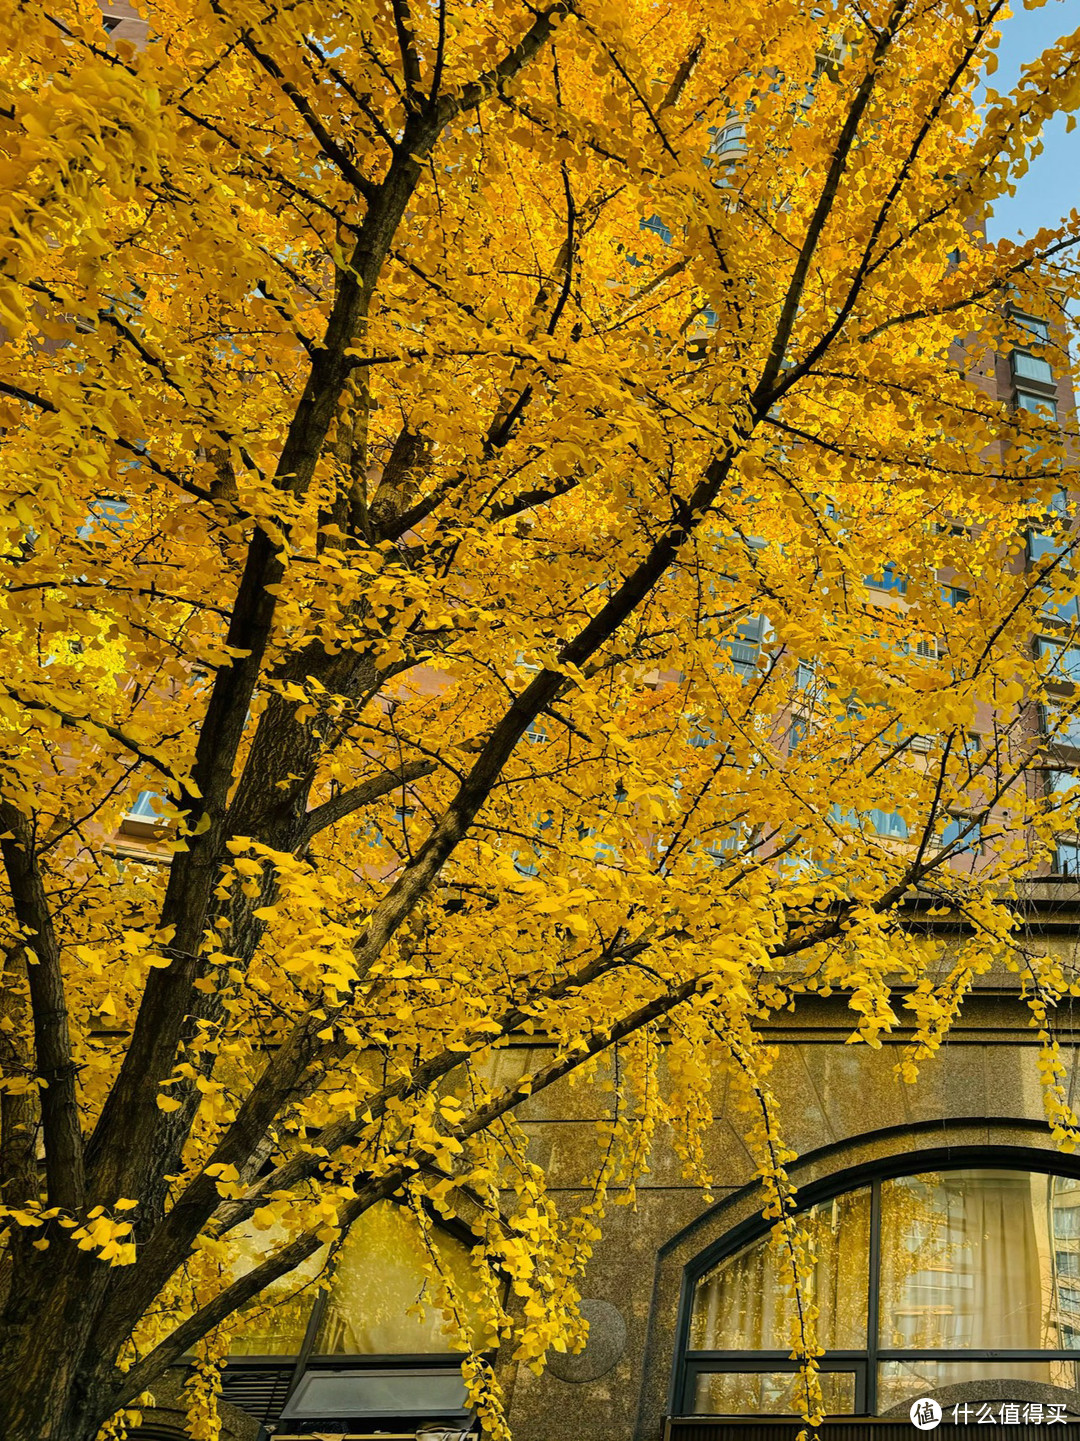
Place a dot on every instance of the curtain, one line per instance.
(276, 1321)
(965, 1261)
(378, 1304)
(742, 1304)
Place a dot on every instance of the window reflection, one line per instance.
(904, 1381)
(970, 1260)
(275, 1322)
(381, 1298)
(743, 1304)
(742, 1393)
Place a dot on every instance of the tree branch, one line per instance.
(410, 55)
(55, 1063)
(361, 795)
(334, 152)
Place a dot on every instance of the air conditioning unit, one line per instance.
(921, 743)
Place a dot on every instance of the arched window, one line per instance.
(921, 1282)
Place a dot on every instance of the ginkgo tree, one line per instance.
(522, 486)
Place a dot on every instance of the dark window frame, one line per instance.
(690, 1364)
(307, 1359)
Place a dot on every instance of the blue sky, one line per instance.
(1052, 185)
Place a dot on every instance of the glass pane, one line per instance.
(1040, 545)
(275, 1322)
(1064, 659)
(741, 1393)
(888, 823)
(745, 645)
(1064, 724)
(1065, 1261)
(381, 1275)
(1032, 367)
(1039, 328)
(1063, 608)
(1062, 782)
(973, 1258)
(327, 1394)
(148, 805)
(742, 1304)
(902, 1381)
(1037, 404)
(889, 579)
(962, 827)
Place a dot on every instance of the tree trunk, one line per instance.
(54, 1384)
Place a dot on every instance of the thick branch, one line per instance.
(124, 1145)
(170, 1244)
(55, 1064)
(335, 153)
(823, 209)
(361, 795)
(410, 55)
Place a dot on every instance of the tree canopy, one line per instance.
(524, 487)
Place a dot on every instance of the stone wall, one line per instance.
(842, 1107)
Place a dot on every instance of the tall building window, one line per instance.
(1064, 659)
(146, 815)
(1031, 367)
(910, 1275)
(963, 832)
(877, 820)
(746, 644)
(1060, 726)
(731, 136)
(889, 579)
(1040, 546)
(955, 595)
(1038, 404)
(1038, 329)
(1066, 860)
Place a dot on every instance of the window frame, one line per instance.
(1045, 407)
(1060, 869)
(1061, 649)
(1034, 326)
(688, 1364)
(1039, 363)
(433, 1363)
(307, 1359)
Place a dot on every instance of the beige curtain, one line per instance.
(742, 1305)
(960, 1261)
(275, 1322)
(380, 1281)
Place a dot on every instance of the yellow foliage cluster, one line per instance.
(560, 578)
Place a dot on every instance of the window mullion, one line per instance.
(873, 1293)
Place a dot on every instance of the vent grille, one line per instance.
(261, 1392)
